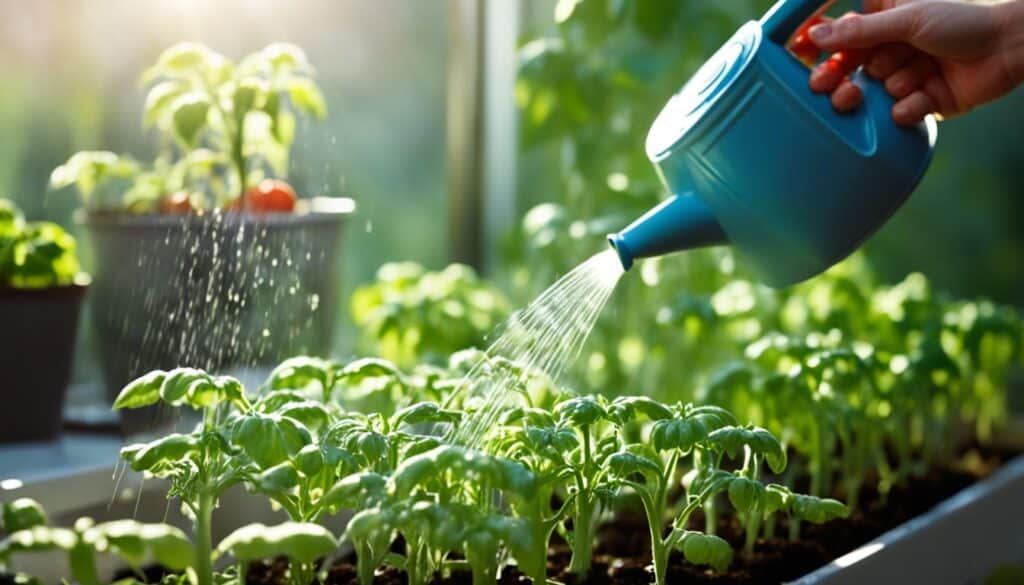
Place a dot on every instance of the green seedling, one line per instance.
(649, 468)
(201, 465)
(133, 542)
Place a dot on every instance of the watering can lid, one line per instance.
(686, 108)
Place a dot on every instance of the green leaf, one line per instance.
(136, 543)
(88, 169)
(21, 514)
(185, 60)
(581, 411)
(309, 460)
(469, 465)
(338, 459)
(776, 497)
(313, 415)
(708, 484)
(180, 383)
(761, 441)
(299, 372)
(275, 400)
(189, 113)
(300, 542)
(270, 439)
(358, 490)
(626, 409)
(420, 444)
(424, 412)
(39, 538)
(158, 101)
(709, 416)
(306, 96)
(286, 57)
(160, 454)
(370, 523)
(706, 549)
(143, 391)
(278, 479)
(681, 434)
(360, 370)
(249, 95)
(746, 494)
(553, 442)
(227, 388)
(12, 221)
(624, 464)
(817, 510)
(181, 387)
(370, 444)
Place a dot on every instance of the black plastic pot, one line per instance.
(37, 344)
(212, 291)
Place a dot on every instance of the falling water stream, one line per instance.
(546, 336)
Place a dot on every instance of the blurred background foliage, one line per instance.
(594, 74)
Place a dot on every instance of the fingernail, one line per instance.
(899, 111)
(816, 77)
(820, 32)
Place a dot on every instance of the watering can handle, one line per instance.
(786, 16)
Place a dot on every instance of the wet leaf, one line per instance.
(300, 542)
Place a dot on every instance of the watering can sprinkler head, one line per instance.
(757, 160)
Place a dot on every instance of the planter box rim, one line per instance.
(75, 289)
(317, 210)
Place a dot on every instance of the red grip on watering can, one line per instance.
(788, 23)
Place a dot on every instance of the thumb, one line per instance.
(862, 31)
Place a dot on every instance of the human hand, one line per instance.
(935, 56)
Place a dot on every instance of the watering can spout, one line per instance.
(681, 222)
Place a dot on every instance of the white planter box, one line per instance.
(959, 541)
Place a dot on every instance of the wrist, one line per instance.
(1010, 19)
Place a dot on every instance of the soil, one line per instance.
(623, 550)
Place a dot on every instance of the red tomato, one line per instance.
(270, 196)
(177, 202)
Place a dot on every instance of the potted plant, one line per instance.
(201, 257)
(41, 291)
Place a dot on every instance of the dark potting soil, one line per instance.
(623, 551)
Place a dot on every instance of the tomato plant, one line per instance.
(224, 126)
(202, 464)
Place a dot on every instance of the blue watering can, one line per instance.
(757, 160)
